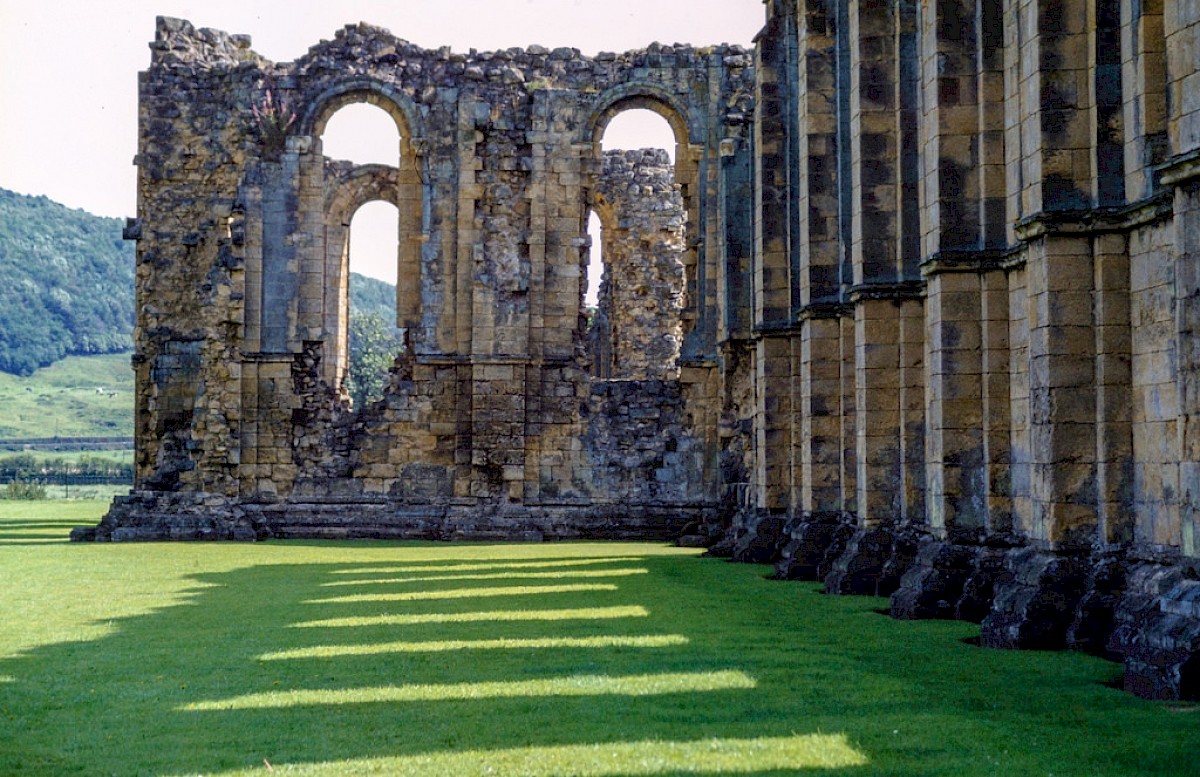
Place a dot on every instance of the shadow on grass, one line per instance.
(696, 666)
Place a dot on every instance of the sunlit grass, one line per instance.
(608, 759)
(582, 685)
(550, 562)
(590, 573)
(467, 593)
(577, 613)
(102, 647)
(442, 646)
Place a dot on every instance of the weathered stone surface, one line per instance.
(495, 402)
(873, 563)
(812, 544)
(933, 585)
(987, 568)
(1162, 660)
(1095, 616)
(761, 539)
(637, 330)
(894, 318)
(1035, 600)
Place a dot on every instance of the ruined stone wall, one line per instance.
(938, 317)
(974, 273)
(638, 330)
(491, 408)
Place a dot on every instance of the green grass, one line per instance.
(90, 492)
(118, 456)
(62, 399)
(555, 659)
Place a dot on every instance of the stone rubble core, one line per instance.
(915, 312)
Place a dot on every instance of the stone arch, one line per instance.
(635, 331)
(634, 96)
(644, 95)
(348, 188)
(329, 101)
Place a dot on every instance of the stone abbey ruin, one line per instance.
(915, 310)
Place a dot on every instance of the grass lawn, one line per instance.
(555, 659)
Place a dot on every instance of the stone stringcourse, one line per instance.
(914, 312)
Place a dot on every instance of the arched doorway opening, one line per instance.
(373, 338)
(634, 284)
(364, 159)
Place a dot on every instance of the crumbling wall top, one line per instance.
(178, 41)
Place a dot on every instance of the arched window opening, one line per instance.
(595, 267)
(635, 275)
(599, 329)
(363, 134)
(374, 339)
(374, 234)
(362, 157)
(639, 128)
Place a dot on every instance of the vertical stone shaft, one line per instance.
(776, 199)
(1114, 398)
(1181, 28)
(884, 248)
(877, 329)
(957, 484)
(1144, 77)
(964, 219)
(819, 364)
(820, 416)
(1062, 398)
(1187, 278)
(875, 142)
(1108, 151)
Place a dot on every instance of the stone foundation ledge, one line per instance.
(875, 560)
(1126, 604)
(162, 516)
(812, 544)
(827, 546)
(1138, 605)
(143, 516)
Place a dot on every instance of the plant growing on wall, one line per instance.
(273, 116)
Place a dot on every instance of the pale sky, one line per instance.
(68, 68)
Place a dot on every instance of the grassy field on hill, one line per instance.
(321, 658)
(80, 396)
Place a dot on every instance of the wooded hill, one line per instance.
(66, 285)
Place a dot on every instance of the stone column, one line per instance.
(817, 529)
(774, 140)
(1159, 622)
(1143, 74)
(821, 416)
(884, 252)
(819, 246)
(1037, 604)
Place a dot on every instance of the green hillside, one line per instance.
(370, 296)
(79, 396)
(66, 290)
(66, 284)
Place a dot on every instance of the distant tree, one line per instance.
(374, 344)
